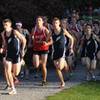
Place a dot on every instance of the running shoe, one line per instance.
(62, 85)
(12, 92)
(44, 83)
(88, 78)
(93, 77)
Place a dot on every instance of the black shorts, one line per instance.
(58, 54)
(89, 55)
(13, 58)
(2, 55)
(40, 52)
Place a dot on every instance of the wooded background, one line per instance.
(27, 10)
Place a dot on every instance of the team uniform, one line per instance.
(59, 45)
(90, 48)
(38, 46)
(13, 48)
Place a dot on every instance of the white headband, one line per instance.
(19, 24)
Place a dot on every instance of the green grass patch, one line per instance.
(84, 91)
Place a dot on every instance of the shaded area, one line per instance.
(27, 10)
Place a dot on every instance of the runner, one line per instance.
(46, 24)
(69, 57)
(11, 42)
(25, 65)
(89, 51)
(41, 42)
(59, 48)
(96, 30)
(76, 30)
(50, 28)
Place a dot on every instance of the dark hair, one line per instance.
(40, 17)
(88, 25)
(45, 18)
(56, 19)
(7, 20)
(96, 22)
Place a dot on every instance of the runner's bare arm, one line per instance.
(96, 37)
(3, 40)
(49, 38)
(81, 44)
(70, 37)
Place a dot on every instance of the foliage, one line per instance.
(27, 10)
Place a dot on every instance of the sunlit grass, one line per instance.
(85, 91)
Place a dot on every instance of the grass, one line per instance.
(85, 91)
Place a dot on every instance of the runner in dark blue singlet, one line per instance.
(89, 52)
(59, 48)
(11, 44)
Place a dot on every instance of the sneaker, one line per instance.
(88, 78)
(62, 85)
(93, 77)
(44, 83)
(12, 92)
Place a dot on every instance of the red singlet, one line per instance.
(39, 37)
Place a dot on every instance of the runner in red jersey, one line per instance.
(41, 41)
